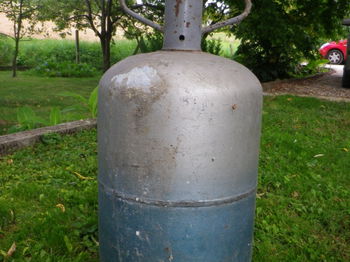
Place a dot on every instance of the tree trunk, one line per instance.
(17, 28)
(15, 55)
(106, 52)
(77, 47)
(137, 46)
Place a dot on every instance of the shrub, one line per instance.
(83, 103)
(278, 35)
(151, 42)
(213, 46)
(65, 69)
(36, 52)
(6, 51)
(311, 68)
(27, 119)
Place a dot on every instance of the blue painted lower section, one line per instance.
(132, 232)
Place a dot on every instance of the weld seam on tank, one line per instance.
(204, 203)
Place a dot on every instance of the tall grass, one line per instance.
(35, 52)
(6, 50)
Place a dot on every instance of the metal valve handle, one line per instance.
(208, 29)
(232, 21)
(142, 19)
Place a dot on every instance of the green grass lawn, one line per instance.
(39, 93)
(48, 193)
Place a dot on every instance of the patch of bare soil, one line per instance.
(325, 86)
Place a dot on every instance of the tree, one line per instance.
(19, 11)
(101, 16)
(278, 35)
(147, 39)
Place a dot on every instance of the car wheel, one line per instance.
(335, 57)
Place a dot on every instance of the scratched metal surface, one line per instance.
(179, 126)
(178, 136)
(134, 232)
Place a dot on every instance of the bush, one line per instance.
(278, 35)
(212, 46)
(36, 52)
(6, 51)
(151, 42)
(65, 69)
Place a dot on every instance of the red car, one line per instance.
(335, 52)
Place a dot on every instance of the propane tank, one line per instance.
(178, 138)
(346, 73)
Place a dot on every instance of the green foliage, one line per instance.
(93, 102)
(148, 40)
(151, 42)
(6, 51)
(23, 15)
(51, 138)
(55, 116)
(65, 69)
(278, 35)
(37, 52)
(311, 68)
(27, 119)
(213, 46)
(7, 216)
(84, 103)
(101, 17)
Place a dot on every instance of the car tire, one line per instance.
(335, 57)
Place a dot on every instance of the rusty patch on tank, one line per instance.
(177, 7)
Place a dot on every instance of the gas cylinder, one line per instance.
(178, 143)
(346, 72)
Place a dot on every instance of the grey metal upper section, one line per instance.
(183, 23)
(179, 127)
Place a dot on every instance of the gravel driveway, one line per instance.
(325, 86)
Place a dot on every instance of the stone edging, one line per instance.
(329, 98)
(11, 142)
